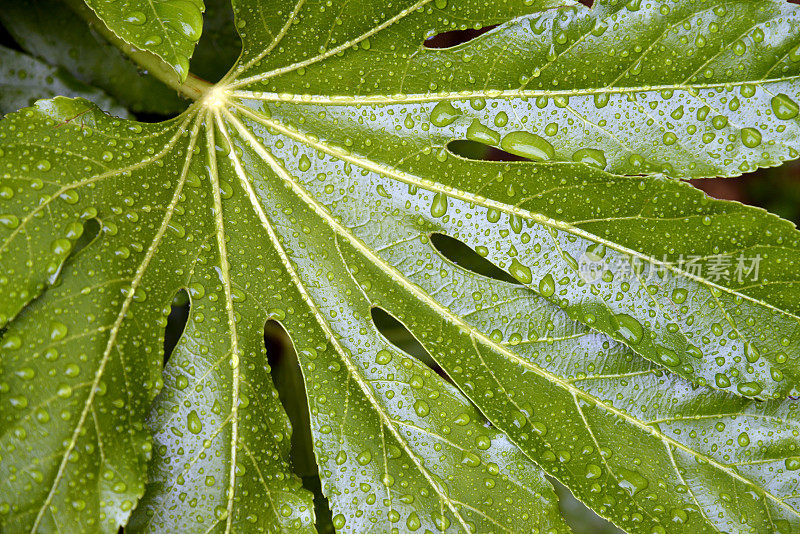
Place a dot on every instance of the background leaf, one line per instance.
(50, 30)
(168, 28)
(24, 79)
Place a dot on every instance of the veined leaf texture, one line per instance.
(304, 188)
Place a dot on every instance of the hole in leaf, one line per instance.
(478, 151)
(466, 258)
(322, 509)
(578, 516)
(91, 229)
(400, 336)
(176, 322)
(89, 232)
(288, 379)
(455, 37)
(8, 41)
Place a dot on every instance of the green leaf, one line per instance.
(622, 433)
(24, 79)
(218, 416)
(693, 89)
(49, 30)
(304, 189)
(168, 28)
(221, 436)
(662, 294)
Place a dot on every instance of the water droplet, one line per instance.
(136, 17)
(501, 119)
(470, 459)
(9, 221)
(593, 471)
(751, 137)
(481, 134)
(749, 389)
(679, 296)
(26, 373)
(12, 341)
(439, 205)
(601, 100)
(719, 122)
(784, 107)
(528, 145)
(72, 370)
(422, 408)
(338, 521)
(629, 329)
(631, 481)
(364, 457)
(193, 422)
(520, 272)
(668, 356)
(443, 114)
(743, 439)
(58, 331)
(383, 357)
(722, 380)
(18, 401)
(547, 286)
(591, 156)
(413, 522)
(181, 382)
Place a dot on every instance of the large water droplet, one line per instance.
(629, 329)
(193, 422)
(743, 439)
(528, 145)
(749, 389)
(591, 156)
(547, 286)
(439, 205)
(481, 134)
(520, 272)
(722, 380)
(443, 114)
(751, 137)
(631, 481)
(679, 295)
(784, 107)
